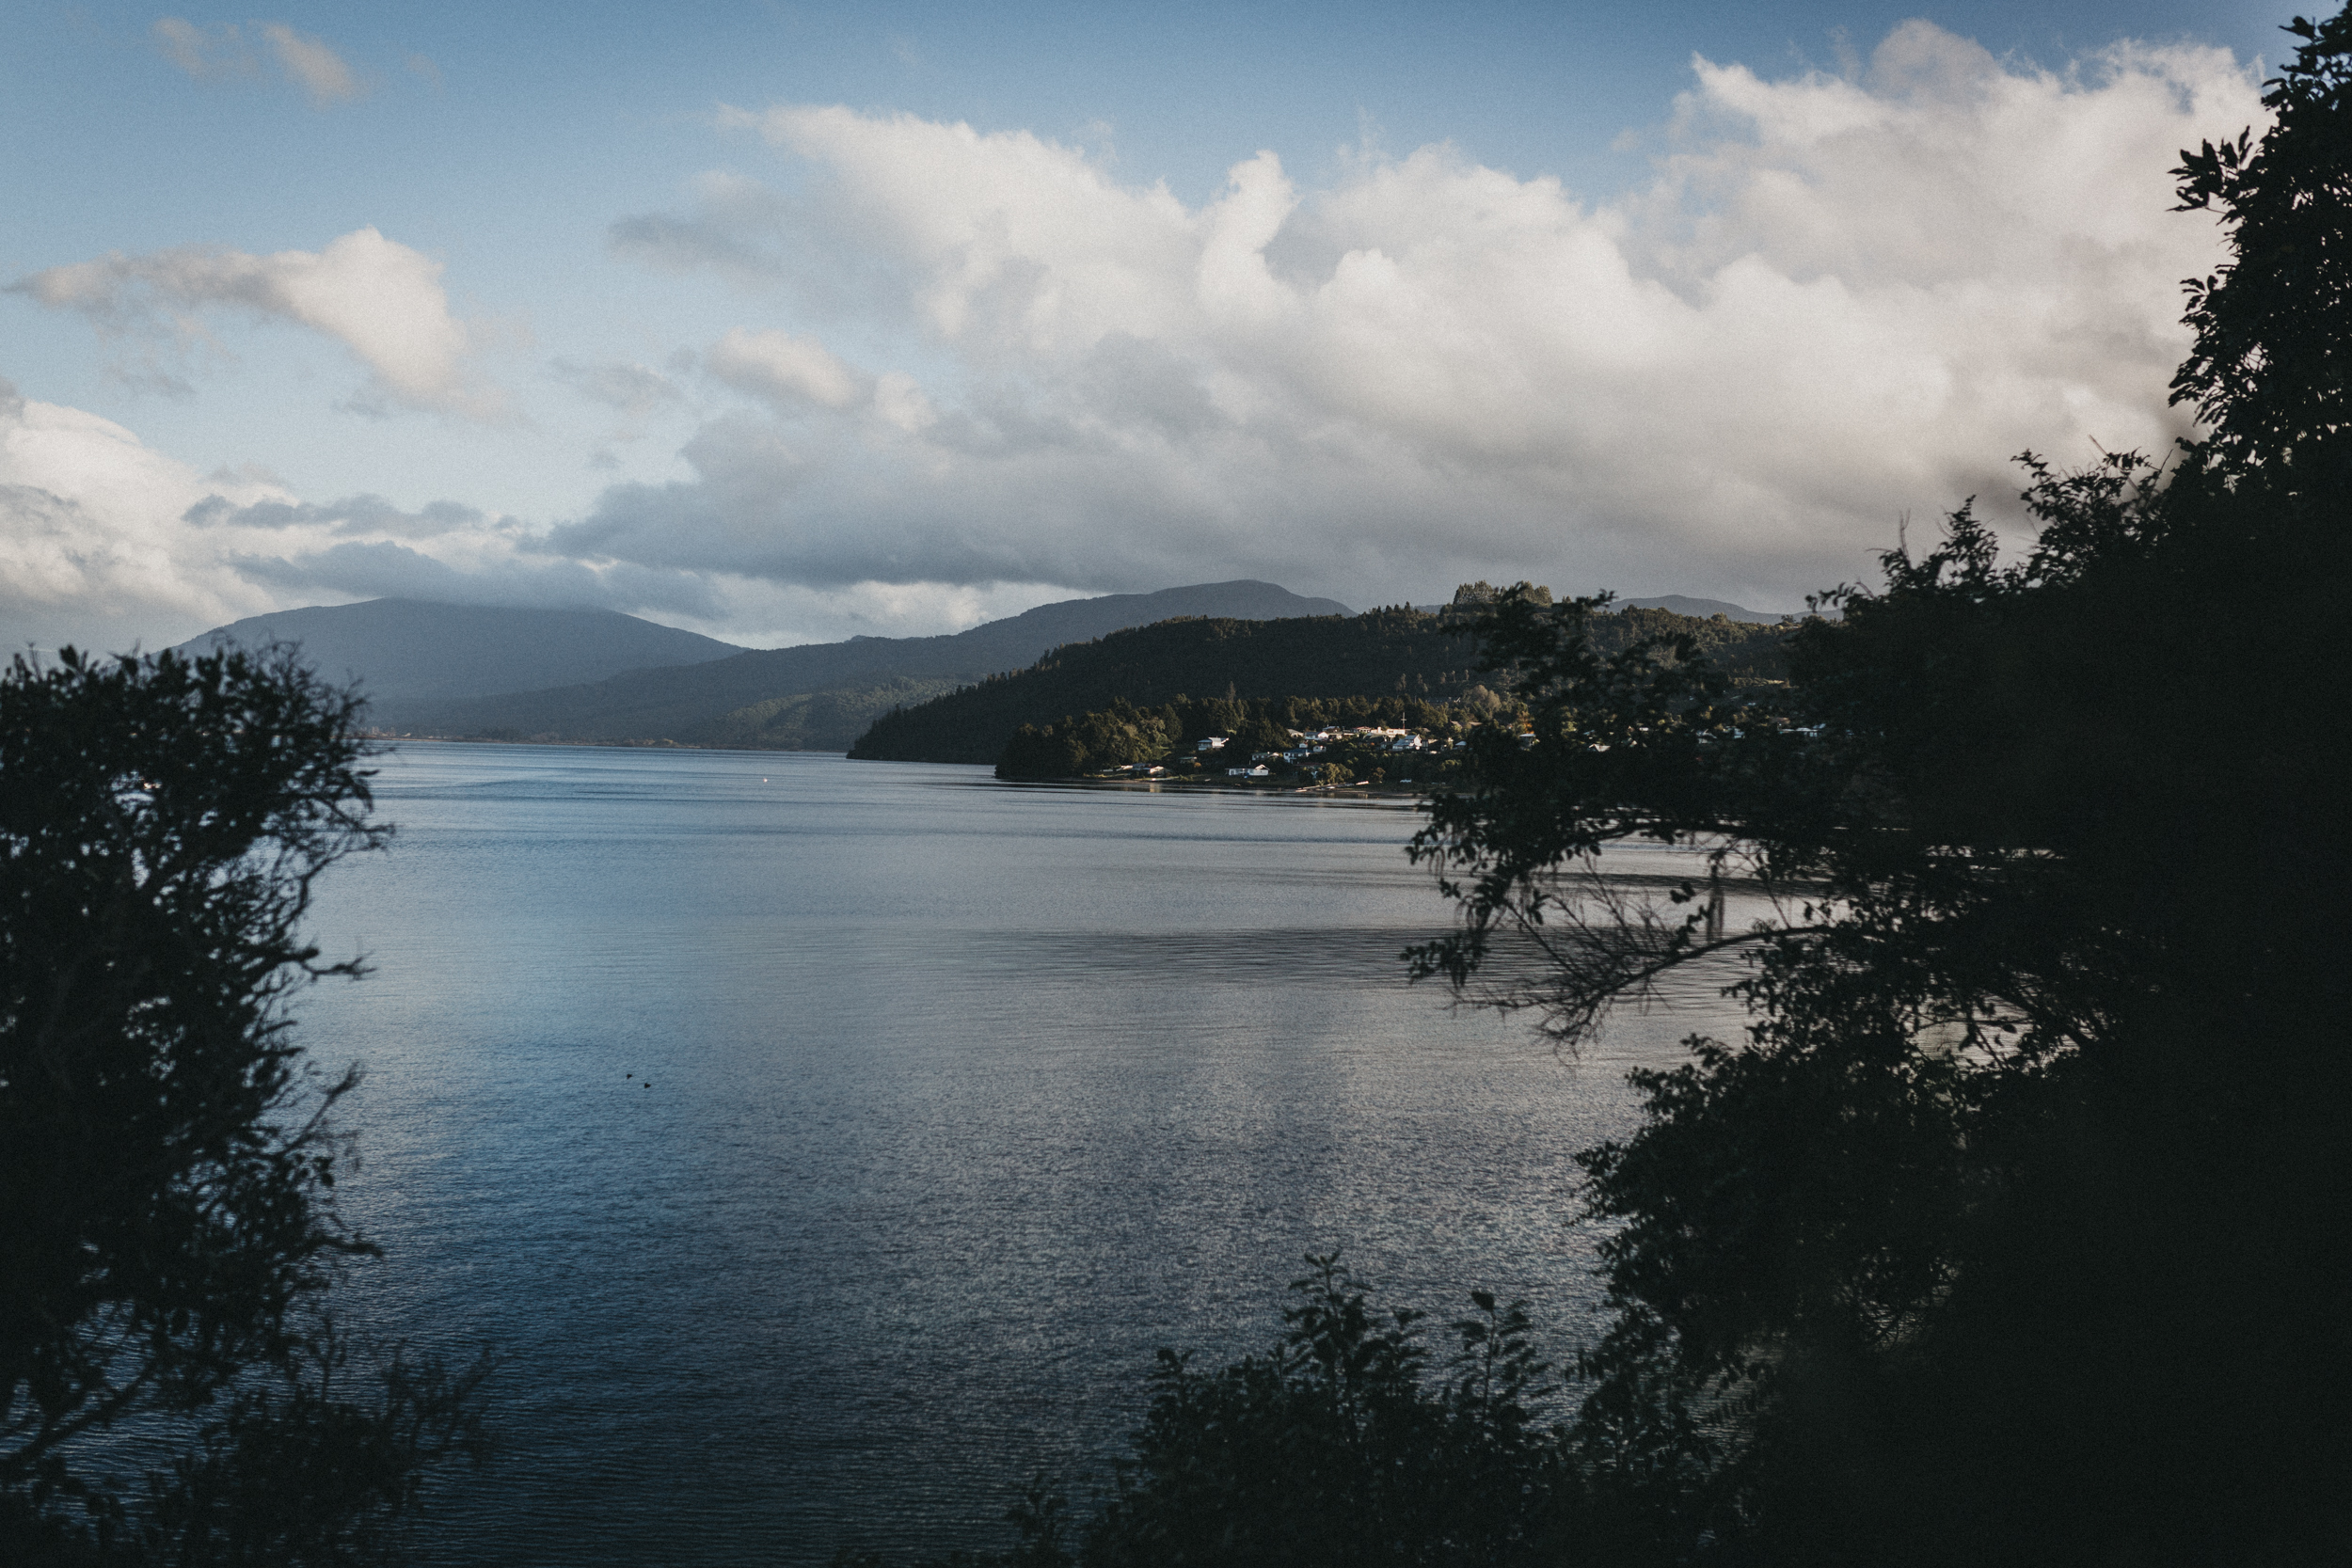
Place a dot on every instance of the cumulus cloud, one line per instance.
(92, 547)
(1841, 298)
(105, 543)
(995, 372)
(379, 298)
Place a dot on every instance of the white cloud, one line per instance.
(311, 63)
(1841, 300)
(105, 543)
(380, 299)
(91, 546)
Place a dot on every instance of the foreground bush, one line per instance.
(1349, 1442)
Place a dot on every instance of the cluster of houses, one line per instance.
(1303, 749)
(1306, 746)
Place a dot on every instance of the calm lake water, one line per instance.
(829, 1145)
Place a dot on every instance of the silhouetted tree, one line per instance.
(2272, 367)
(168, 1229)
(2007, 1234)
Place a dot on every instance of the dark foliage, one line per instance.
(1396, 653)
(1347, 1443)
(2272, 366)
(166, 1167)
(1340, 1446)
(2006, 1235)
(1089, 743)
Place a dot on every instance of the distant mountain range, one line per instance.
(450, 669)
(1703, 609)
(408, 652)
(470, 671)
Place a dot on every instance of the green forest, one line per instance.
(1395, 654)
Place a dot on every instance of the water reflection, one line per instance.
(832, 1143)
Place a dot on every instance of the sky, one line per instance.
(788, 322)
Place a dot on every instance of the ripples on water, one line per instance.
(963, 1098)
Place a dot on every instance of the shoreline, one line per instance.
(1149, 787)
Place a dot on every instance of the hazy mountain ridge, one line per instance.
(821, 696)
(1682, 603)
(476, 671)
(411, 651)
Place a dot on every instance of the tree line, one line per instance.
(1123, 734)
(1397, 653)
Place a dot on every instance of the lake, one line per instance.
(829, 1145)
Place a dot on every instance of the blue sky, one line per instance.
(786, 321)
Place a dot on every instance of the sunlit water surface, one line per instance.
(829, 1145)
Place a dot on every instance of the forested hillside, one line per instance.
(1398, 652)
